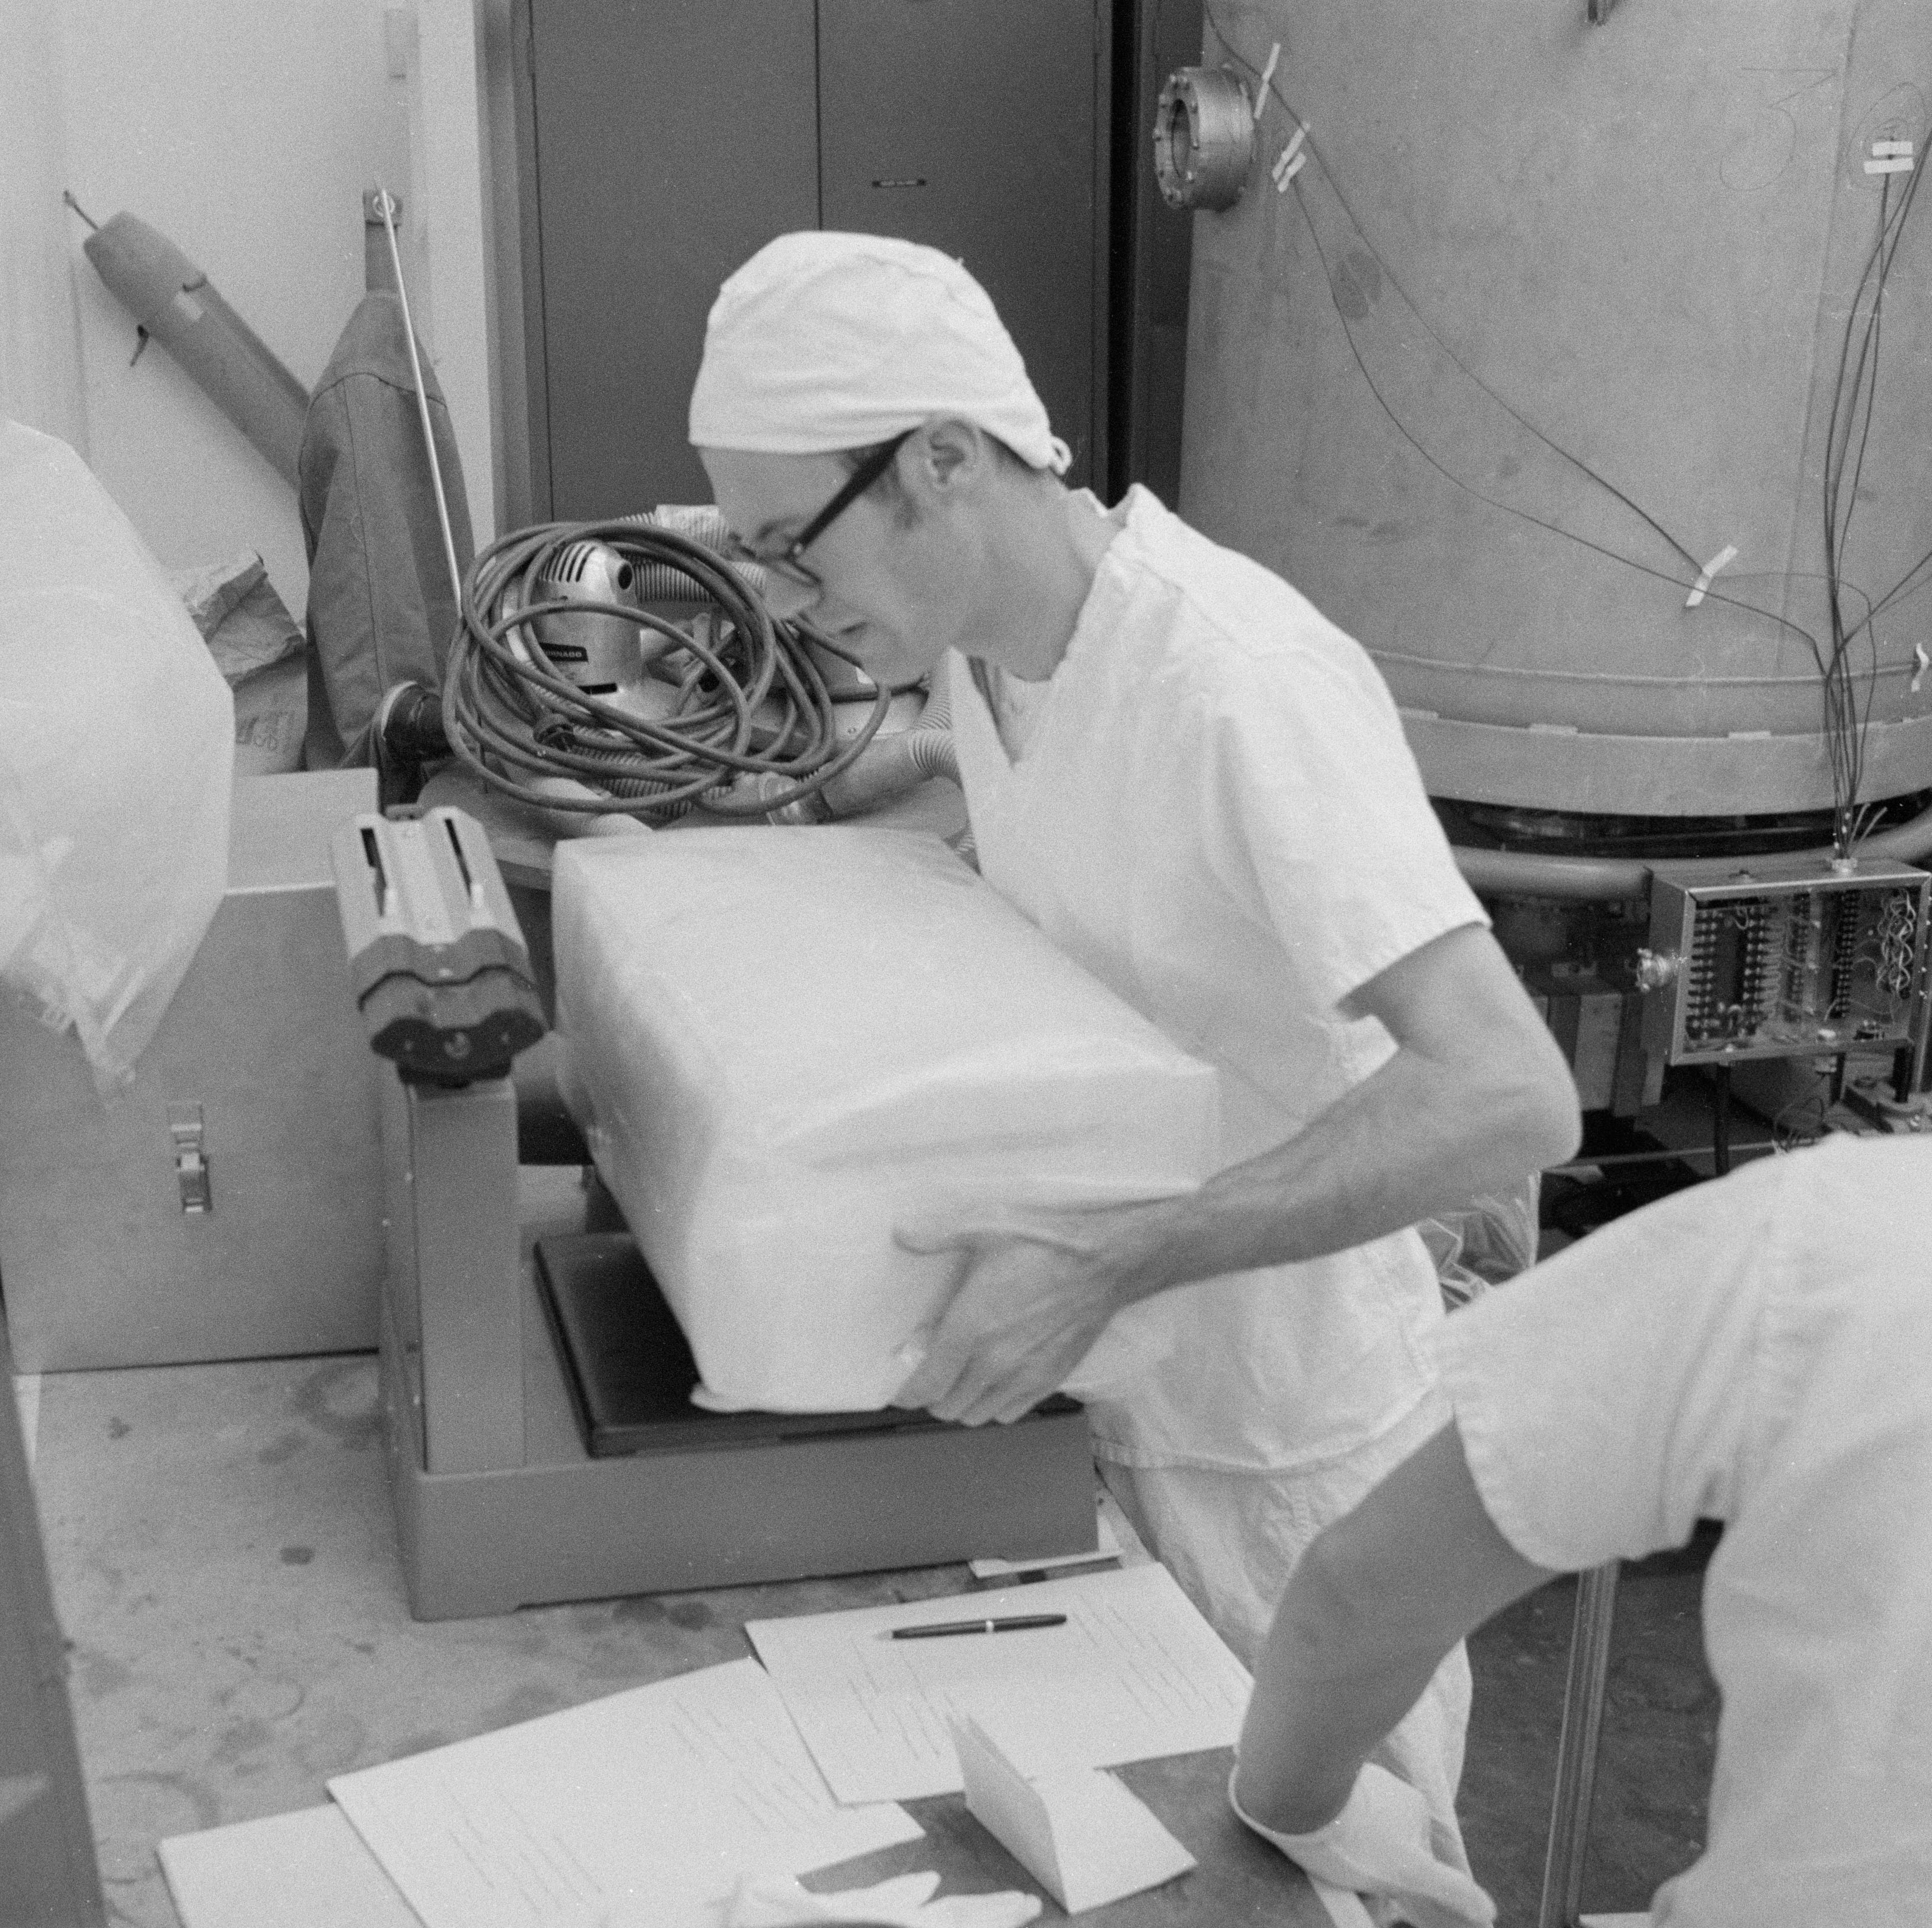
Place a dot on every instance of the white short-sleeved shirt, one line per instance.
(1760, 1351)
(1214, 810)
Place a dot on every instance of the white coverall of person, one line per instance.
(1212, 808)
(1758, 1351)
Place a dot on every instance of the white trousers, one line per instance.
(1232, 1539)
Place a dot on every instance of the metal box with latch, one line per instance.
(228, 1204)
(1788, 957)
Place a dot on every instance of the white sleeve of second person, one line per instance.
(1604, 1398)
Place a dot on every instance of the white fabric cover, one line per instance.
(783, 1042)
(1755, 1351)
(823, 342)
(117, 749)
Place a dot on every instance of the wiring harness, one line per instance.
(751, 703)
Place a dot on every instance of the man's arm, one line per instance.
(1372, 1607)
(1476, 1096)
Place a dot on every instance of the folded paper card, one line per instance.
(1081, 1835)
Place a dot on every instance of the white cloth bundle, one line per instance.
(117, 747)
(784, 1042)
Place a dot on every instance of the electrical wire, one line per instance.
(1846, 719)
(1853, 397)
(751, 704)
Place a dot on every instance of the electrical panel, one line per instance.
(1786, 957)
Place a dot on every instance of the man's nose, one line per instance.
(786, 596)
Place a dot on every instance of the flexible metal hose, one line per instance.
(1600, 880)
(753, 706)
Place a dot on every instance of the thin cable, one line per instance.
(386, 209)
(1846, 719)
(67, 196)
(1636, 507)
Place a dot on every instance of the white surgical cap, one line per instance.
(823, 342)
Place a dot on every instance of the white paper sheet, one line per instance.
(307, 1869)
(1135, 1674)
(1087, 1839)
(641, 1809)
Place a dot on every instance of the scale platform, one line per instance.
(630, 1373)
(519, 1481)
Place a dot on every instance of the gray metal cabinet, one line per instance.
(661, 142)
(977, 127)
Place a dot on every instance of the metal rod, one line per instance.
(1584, 1168)
(386, 207)
(1721, 1119)
(1577, 1752)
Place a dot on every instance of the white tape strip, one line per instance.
(1925, 663)
(1726, 555)
(1903, 165)
(1283, 175)
(1268, 74)
(1890, 150)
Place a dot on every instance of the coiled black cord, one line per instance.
(753, 705)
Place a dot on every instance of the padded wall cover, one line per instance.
(783, 1042)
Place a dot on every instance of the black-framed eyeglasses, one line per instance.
(786, 563)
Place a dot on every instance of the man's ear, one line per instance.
(950, 454)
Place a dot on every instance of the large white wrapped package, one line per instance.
(783, 1042)
(117, 746)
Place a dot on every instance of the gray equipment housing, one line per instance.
(227, 1205)
(48, 1875)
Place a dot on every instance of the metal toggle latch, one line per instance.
(185, 1128)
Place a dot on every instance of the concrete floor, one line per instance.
(1660, 1738)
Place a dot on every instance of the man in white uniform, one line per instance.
(1758, 1350)
(1199, 788)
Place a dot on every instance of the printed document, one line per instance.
(1135, 1673)
(641, 1810)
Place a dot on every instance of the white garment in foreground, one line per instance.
(1757, 1351)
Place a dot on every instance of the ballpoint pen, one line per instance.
(1013, 1622)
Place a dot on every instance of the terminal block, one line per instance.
(1786, 958)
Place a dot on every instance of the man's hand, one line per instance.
(1379, 1844)
(1037, 1289)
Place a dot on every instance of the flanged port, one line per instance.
(1204, 138)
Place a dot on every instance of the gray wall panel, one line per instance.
(673, 139)
(993, 109)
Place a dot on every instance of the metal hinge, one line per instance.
(185, 1128)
